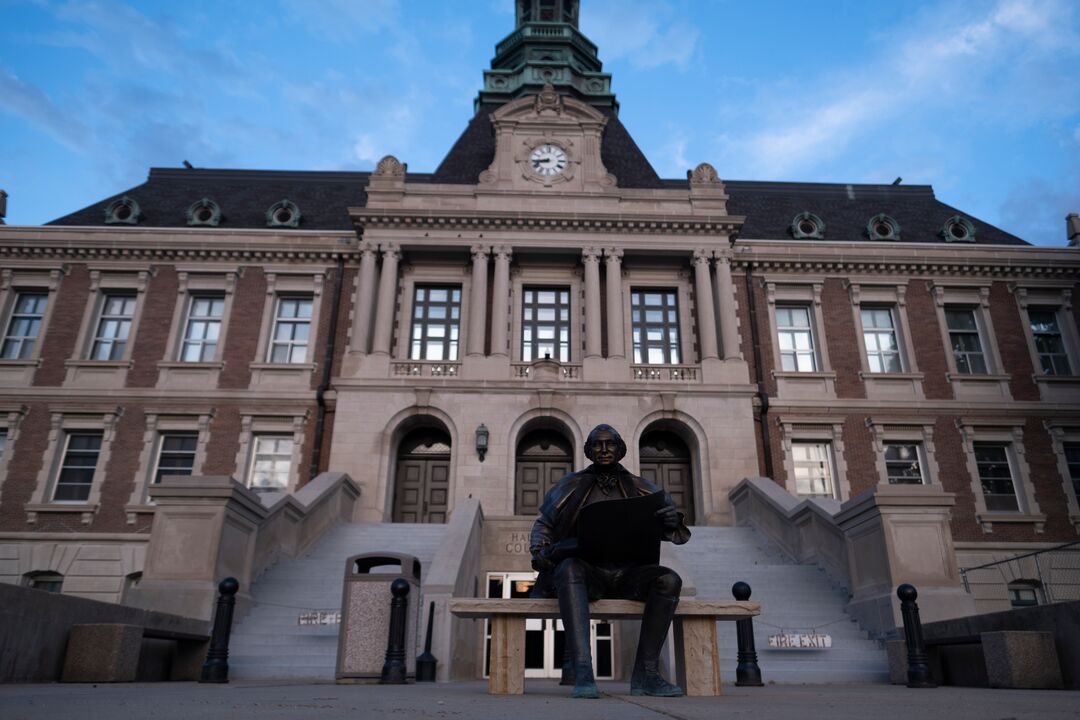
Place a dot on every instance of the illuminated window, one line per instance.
(655, 326)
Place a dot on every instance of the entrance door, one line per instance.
(543, 458)
(545, 640)
(665, 460)
(422, 479)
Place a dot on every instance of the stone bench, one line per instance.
(697, 659)
(110, 652)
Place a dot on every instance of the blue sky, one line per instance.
(981, 98)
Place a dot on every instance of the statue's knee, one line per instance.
(669, 584)
(569, 570)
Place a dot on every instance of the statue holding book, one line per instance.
(598, 536)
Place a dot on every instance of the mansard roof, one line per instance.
(323, 198)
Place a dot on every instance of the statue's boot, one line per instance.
(655, 621)
(574, 608)
(567, 677)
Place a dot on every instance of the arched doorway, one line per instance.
(665, 460)
(543, 457)
(422, 479)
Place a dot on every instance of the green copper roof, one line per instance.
(547, 47)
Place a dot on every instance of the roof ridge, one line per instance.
(164, 173)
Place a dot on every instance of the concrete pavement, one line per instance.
(543, 700)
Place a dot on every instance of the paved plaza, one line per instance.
(543, 701)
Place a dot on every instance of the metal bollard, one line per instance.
(393, 670)
(918, 669)
(747, 672)
(216, 667)
(425, 661)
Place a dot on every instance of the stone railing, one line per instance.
(665, 373)
(225, 529)
(425, 369)
(885, 536)
(545, 370)
(454, 572)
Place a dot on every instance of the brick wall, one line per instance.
(152, 335)
(121, 472)
(926, 337)
(26, 457)
(245, 323)
(1012, 342)
(59, 338)
(840, 334)
(223, 443)
(859, 454)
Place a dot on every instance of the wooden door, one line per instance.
(665, 460)
(422, 480)
(543, 459)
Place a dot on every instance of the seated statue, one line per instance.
(576, 582)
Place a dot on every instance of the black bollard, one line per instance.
(425, 661)
(747, 672)
(216, 667)
(393, 670)
(918, 668)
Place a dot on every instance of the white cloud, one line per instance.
(365, 149)
(341, 20)
(641, 32)
(34, 106)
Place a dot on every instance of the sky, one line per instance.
(979, 98)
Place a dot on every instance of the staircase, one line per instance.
(268, 642)
(794, 597)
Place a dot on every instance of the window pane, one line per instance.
(545, 331)
(995, 475)
(292, 324)
(271, 463)
(813, 469)
(77, 467)
(435, 326)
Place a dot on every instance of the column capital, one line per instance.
(391, 252)
(480, 252)
(613, 254)
(503, 251)
(702, 255)
(590, 254)
(367, 247)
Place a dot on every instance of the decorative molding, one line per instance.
(807, 226)
(396, 219)
(703, 174)
(390, 166)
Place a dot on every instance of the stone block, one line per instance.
(102, 652)
(1021, 659)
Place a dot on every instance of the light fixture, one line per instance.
(482, 441)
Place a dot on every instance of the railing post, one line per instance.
(425, 661)
(918, 672)
(216, 667)
(393, 669)
(747, 672)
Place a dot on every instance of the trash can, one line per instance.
(365, 614)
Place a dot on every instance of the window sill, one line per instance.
(892, 386)
(176, 375)
(1058, 388)
(97, 374)
(133, 511)
(980, 387)
(18, 373)
(987, 519)
(281, 376)
(86, 510)
(793, 385)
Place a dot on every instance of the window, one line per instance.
(24, 325)
(796, 339)
(436, 323)
(48, 581)
(903, 463)
(77, 469)
(879, 335)
(1072, 460)
(965, 339)
(1023, 594)
(292, 327)
(995, 474)
(545, 324)
(655, 324)
(1049, 343)
(113, 327)
(271, 463)
(202, 328)
(813, 469)
(176, 454)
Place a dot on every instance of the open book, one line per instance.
(622, 531)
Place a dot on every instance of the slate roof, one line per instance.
(323, 197)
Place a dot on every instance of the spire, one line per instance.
(547, 47)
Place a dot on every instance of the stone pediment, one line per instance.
(547, 141)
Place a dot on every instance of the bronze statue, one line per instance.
(575, 582)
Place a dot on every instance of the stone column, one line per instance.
(478, 301)
(591, 258)
(500, 307)
(729, 323)
(616, 340)
(384, 319)
(365, 298)
(706, 316)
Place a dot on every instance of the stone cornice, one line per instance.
(708, 225)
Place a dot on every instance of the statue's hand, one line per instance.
(668, 516)
(547, 557)
(540, 563)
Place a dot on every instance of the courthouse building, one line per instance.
(450, 336)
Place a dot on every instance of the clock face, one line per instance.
(548, 160)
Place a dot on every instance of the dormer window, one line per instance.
(807, 226)
(958, 229)
(124, 211)
(883, 227)
(204, 212)
(283, 214)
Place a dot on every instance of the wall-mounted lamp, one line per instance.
(482, 441)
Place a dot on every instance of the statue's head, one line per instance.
(604, 446)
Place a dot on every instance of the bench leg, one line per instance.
(697, 659)
(507, 666)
